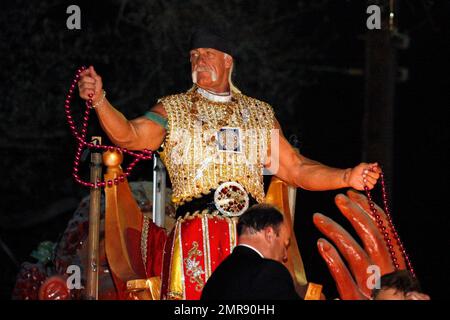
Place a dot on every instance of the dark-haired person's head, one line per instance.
(262, 227)
(399, 285)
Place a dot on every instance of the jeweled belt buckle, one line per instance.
(231, 199)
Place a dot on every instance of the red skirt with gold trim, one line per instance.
(195, 247)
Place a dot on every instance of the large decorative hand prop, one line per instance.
(352, 281)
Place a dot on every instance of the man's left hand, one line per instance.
(364, 174)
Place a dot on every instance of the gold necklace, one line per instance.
(222, 112)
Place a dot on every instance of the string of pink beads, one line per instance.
(391, 226)
(82, 143)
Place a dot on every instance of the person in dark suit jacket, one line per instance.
(253, 271)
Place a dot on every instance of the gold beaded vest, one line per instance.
(208, 143)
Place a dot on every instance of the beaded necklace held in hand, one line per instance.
(82, 143)
(383, 229)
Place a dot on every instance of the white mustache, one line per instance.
(203, 69)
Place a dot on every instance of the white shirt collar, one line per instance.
(246, 245)
(216, 97)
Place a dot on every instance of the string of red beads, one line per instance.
(82, 143)
(391, 226)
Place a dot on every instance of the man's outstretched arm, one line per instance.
(300, 171)
(137, 134)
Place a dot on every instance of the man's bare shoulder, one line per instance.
(159, 109)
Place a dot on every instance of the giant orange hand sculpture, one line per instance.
(351, 281)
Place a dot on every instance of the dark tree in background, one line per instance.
(306, 58)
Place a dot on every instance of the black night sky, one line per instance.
(305, 58)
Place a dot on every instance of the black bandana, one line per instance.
(209, 37)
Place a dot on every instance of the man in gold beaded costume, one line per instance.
(216, 142)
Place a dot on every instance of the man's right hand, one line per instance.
(90, 85)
